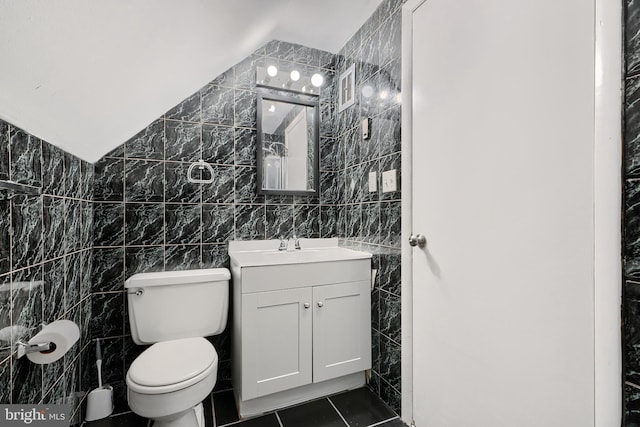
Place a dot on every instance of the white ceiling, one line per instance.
(86, 75)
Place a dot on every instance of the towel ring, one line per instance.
(201, 165)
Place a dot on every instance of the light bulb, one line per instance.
(295, 75)
(272, 70)
(272, 109)
(317, 80)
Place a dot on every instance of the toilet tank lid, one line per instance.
(164, 278)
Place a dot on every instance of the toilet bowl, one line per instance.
(170, 379)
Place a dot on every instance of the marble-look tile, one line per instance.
(112, 360)
(144, 181)
(215, 256)
(631, 331)
(108, 269)
(328, 221)
(107, 311)
(353, 221)
(246, 190)
(25, 152)
(218, 144)
(183, 141)
(368, 56)
(217, 105)
(5, 378)
(369, 96)
(53, 176)
(631, 415)
(225, 79)
(389, 163)
(390, 358)
(182, 224)
(26, 220)
(348, 118)
(354, 179)
(5, 130)
(222, 189)
(245, 108)
(73, 176)
(367, 168)
(389, 272)
(245, 71)
(217, 223)
(73, 225)
(632, 228)
(341, 222)
(250, 221)
(390, 222)
(177, 187)
(182, 257)
(53, 290)
(26, 381)
(146, 259)
(26, 302)
(390, 316)
(391, 396)
(281, 50)
(351, 141)
(108, 224)
(144, 224)
(390, 44)
(5, 316)
(53, 226)
(188, 110)
(375, 314)
(389, 85)
(329, 190)
(86, 279)
(88, 180)
(245, 146)
(326, 60)
(73, 276)
(279, 221)
(109, 179)
(148, 143)
(53, 382)
(86, 224)
(632, 36)
(387, 128)
(307, 221)
(371, 222)
(632, 126)
(327, 120)
(331, 157)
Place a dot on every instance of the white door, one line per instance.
(341, 329)
(276, 341)
(502, 139)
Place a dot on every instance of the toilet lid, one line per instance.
(172, 362)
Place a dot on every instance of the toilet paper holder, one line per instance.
(41, 347)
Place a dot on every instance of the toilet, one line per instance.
(174, 311)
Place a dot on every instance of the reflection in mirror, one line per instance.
(288, 158)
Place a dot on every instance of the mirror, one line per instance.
(288, 147)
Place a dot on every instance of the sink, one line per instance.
(257, 253)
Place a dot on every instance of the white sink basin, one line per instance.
(246, 256)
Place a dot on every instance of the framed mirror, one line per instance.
(288, 145)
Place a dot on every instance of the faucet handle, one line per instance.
(283, 244)
(297, 242)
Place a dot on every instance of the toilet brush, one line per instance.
(100, 400)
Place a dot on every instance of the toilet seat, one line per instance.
(172, 365)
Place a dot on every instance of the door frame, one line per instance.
(607, 213)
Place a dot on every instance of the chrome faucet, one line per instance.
(284, 243)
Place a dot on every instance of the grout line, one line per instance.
(278, 418)
(334, 407)
(384, 421)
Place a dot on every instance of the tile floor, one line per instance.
(359, 407)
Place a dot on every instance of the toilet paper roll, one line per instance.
(62, 333)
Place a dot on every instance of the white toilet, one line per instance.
(174, 311)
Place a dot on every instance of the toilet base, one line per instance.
(191, 418)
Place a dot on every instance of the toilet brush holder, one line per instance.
(99, 403)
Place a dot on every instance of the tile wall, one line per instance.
(149, 218)
(371, 219)
(45, 265)
(631, 216)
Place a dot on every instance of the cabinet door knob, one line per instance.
(307, 305)
(320, 303)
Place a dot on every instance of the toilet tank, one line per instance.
(177, 304)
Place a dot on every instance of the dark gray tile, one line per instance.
(388, 163)
(307, 221)
(250, 222)
(632, 126)
(245, 108)
(26, 220)
(215, 256)
(108, 269)
(245, 146)
(25, 158)
(217, 223)
(181, 257)
(245, 71)
(109, 179)
(632, 36)
(390, 38)
(217, 105)
(177, 187)
(224, 405)
(145, 223)
(148, 143)
(53, 178)
(5, 130)
(279, 221)
(246, 190)
(371, 222)
(53, 226)
(387, 128)
(390, 316)
(107, 315)
(390, 359)
(390, 223)
(223, 190)
(144, 181)
(313, 414)
(632, 228)
(53, 290)
(187, 110)
(73, 176)
(264, 421)
(360, 407)
(218, 144)
(328, 221)
(631, 331)
(183, 141)
(143, 260)
(182, 224)
(109, 224)
(225, 79)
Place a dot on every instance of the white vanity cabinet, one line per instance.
(300, 330)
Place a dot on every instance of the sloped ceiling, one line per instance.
(86, 75)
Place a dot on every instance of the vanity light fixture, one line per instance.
(317, 80)
(290, 80)
(295, 75)
(272, 70)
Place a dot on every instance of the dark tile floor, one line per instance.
(355, 408)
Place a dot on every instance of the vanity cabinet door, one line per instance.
(276, 341)
(341, 329)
